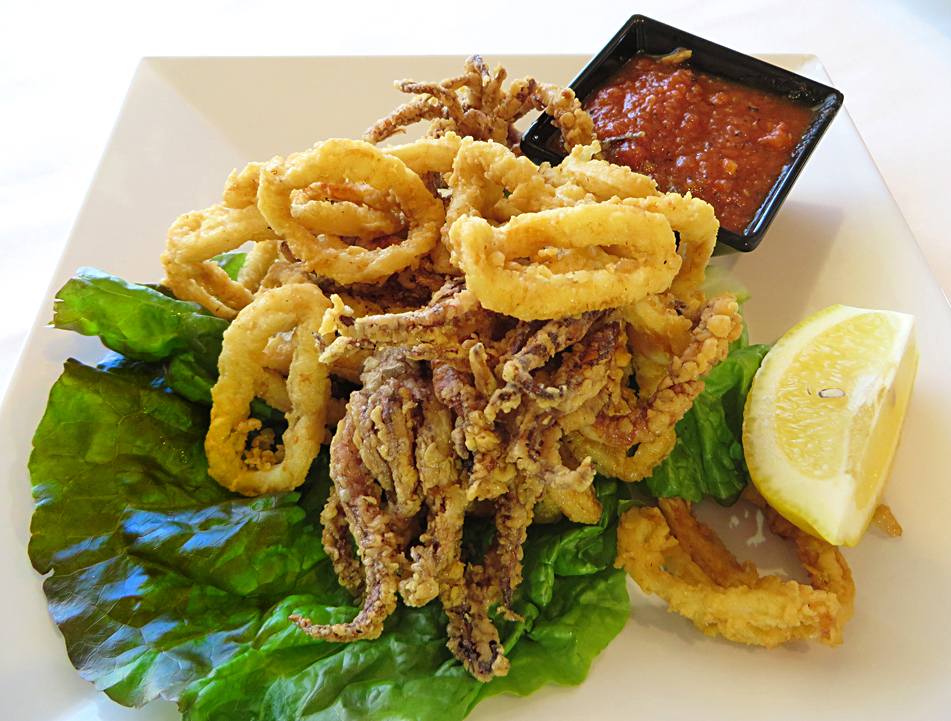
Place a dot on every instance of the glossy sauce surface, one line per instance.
(723, 142)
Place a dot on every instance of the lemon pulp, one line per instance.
(824, 416)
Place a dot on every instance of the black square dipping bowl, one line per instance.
(643, 36)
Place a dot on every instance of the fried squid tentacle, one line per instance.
(473, 638)
(339, 547)
(587, 369)
(452, 315)
(719, 325)
(389, 412)
(474, 104)
(489, 470)
(377, 545)
(548, 341)
(435, 559)
(514, 514)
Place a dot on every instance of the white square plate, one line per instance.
(187, 122)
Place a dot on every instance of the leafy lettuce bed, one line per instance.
(164, 584)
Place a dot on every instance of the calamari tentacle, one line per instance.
(452, 315)
(552, 338)
(490, 472)
(377, 545)
(436, 566)
(473, 638)
(475, 104)
(583, 372)
(339, 547)
(719, 325)
(514, 514)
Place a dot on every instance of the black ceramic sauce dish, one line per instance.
(641, 35)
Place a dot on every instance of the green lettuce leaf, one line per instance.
(583, 615)
(111, 441)
(719, 280)
(144, 324)
(231, 263)
(708, 457)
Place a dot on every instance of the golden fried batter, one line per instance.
(471, 324)
(669, 553)
(474, 105)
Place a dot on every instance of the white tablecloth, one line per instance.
(65, 67)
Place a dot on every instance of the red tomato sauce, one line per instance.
(724, 143)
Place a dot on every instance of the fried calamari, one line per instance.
(669, 553)
(476, 334)
(296, 309)
(475, 105)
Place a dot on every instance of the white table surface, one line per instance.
(65, 67)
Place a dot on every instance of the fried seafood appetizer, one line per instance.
(474, 104)
(670, 553)
(303, 393)
(484, 334)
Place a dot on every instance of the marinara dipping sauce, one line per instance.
(723, 142)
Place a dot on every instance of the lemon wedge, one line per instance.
(824, 415)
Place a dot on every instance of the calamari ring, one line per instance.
(356, 211)
(484, 172)
(612, 257)
(671, 554)
(197, 237)
(356, 162)
(242, 371)
(241, 188)
(602, 179)
(428, 155)
(257, 263)
(697, 225)
(693, 219)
